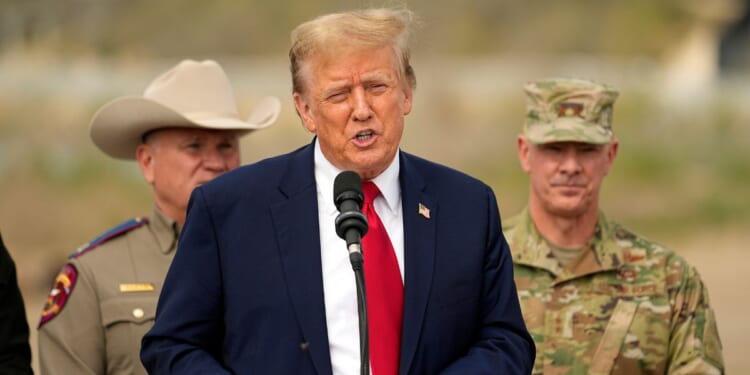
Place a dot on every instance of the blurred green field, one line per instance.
(681, 177)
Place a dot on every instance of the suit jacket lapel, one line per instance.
(419, 255)
(295, 216)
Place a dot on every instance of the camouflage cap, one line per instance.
(563, 109)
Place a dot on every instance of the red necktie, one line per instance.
(385, 291)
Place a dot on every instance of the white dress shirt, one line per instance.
(339, 285)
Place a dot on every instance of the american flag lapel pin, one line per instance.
(424, 211)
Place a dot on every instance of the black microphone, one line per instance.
(351, 223)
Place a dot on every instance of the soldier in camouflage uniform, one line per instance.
(183, 132)
(597, 298)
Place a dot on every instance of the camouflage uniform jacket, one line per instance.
(112, 286)
(628, 307)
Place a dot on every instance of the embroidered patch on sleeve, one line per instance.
(64, 283)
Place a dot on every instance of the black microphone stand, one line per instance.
(355, 257)
(351, 225)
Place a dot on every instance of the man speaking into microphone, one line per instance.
(262, 283)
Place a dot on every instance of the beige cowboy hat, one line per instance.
(191, 95)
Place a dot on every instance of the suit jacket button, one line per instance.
(304, 345)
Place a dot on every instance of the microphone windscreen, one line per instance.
(346, 181)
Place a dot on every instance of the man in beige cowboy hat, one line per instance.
(183, 132)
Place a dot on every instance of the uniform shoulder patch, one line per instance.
(64, 283)
(109, 235)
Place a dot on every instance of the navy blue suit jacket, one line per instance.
(244, 293)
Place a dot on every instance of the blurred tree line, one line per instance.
(143, 28)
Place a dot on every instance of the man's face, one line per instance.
(355, 103)
(176, 160)
(566, 176)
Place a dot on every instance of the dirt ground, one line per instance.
(723, 265)
(718, 256)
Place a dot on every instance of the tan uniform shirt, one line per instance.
(627, 306)
(111, 304)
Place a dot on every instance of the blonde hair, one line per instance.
(359, 29)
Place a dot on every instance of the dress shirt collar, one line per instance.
(387, 182)
(165, 229)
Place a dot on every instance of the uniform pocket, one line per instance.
(126, 319)
(133, 309)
